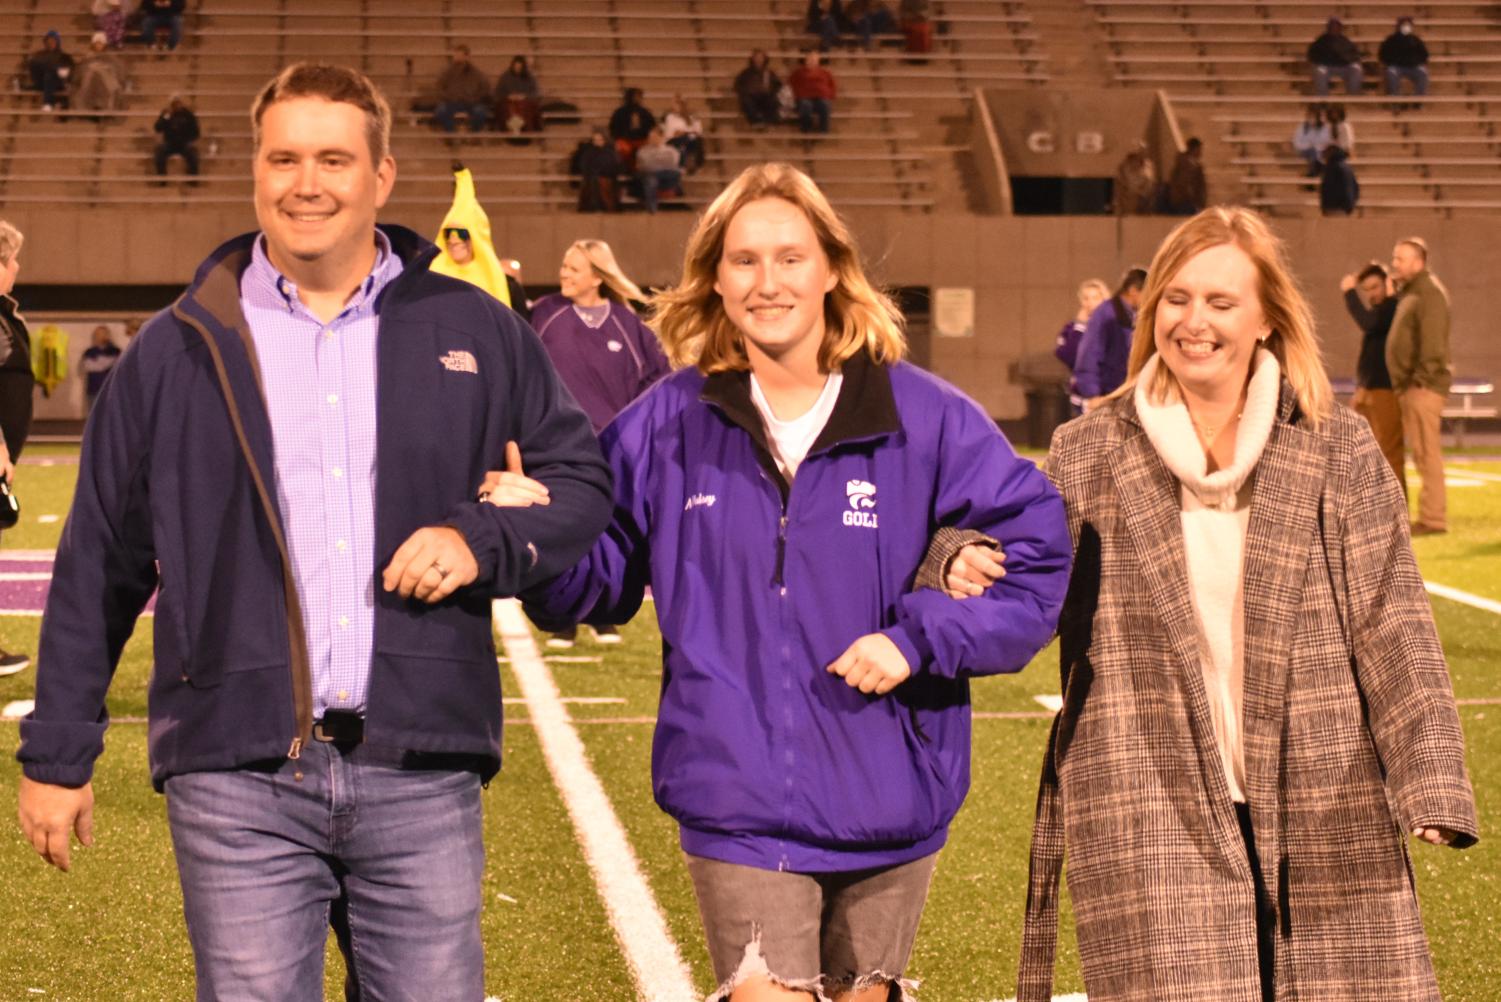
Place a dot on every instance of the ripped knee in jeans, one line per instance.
(753, 968)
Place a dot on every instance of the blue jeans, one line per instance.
(479, 114)
(1417, 74)
(172, 22)
(813, 114)
(654, 180)
(271, 856)
(1353, 76)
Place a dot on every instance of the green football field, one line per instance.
(113, 930)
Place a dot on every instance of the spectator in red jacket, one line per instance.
(814, 88)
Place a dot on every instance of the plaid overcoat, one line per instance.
(1352, 738)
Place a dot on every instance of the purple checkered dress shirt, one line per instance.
(319, 381)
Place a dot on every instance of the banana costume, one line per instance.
(483, 267)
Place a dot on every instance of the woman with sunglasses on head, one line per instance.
(778, 492)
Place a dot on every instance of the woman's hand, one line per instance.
(973, 569)
(513, 489)
(872, 664)
(1435, 836)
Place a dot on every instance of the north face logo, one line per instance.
(862, 498)
(459, 361)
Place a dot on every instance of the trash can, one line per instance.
(1044, 382)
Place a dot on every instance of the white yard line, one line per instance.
(28, 555)
(25, 575)
(1455, 595)
(656, 964)
(1460, 471)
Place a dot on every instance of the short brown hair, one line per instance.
(1418, 244)
(691, 320)
(332, 83)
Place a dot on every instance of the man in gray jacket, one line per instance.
(1417, 356)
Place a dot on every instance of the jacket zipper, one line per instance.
(781, 548)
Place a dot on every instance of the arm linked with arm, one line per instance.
(520, 547)
(984, 486)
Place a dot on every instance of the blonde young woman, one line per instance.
(778, 492)
(606, 355)
(1257, 712)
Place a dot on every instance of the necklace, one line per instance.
(1209, 432)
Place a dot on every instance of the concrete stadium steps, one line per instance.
(899, 126)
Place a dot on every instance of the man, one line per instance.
(814, 89)
(1105, 348)
(1417, 357)
(159, 14)
(17, 388)
(98, 358)
(291, 453)
(178, 127)
(658, 168)
(1370, 302)
(1404, 57)
(462, 88)
(1187, 190)
(1334, 54)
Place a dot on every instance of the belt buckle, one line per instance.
(337, 727)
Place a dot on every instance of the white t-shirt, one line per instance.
(791, 440)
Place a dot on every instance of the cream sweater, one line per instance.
(1216, 509)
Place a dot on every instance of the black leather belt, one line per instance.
(340, 728)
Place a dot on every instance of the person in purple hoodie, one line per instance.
(606, 356)
(1092, 292)
(1100, 364)
(778, 492)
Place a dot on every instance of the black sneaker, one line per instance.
(11, 664)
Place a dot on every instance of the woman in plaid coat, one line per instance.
(1257, 711)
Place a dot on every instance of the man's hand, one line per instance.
(7, 468)
(872, 664)
(973, 569)
(513, 489)
(49, 814)
(1435, 836)
(1347, 283)
(431, 565)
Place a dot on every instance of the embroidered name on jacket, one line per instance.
(459, 361)
(862, 498)
(700, 501)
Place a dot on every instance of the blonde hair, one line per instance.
(690, 317)
(1293, 338)
(1095, 284)
(10, 242)
(614, 285)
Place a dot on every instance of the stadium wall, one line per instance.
(1023, 270)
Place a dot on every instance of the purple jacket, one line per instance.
(604, 368)
(1104, 350)
(175, 490)
(762, 756)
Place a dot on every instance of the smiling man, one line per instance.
(289, 454)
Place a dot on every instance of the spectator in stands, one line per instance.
(109, 17)
(1105, 348)
(1135, 183)
(178, 128)
(1341, 132)
(1187, 190)
(596, 165)
(17, 385)
(101, 78)
(629, 126)
(870, 18)
(463, 88)
(1417, 358)
(826, 20)
(158, 14)
(1334, 54)
(98, 358)
(50, 67)
(1368, 297)
(1092, 292)
(1311, 137)
(685, 133)
(658, 168)
(518, 98)
(756, 86)
(1404, 57)
(1339, 191)
(814, 89)
(917, 25)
